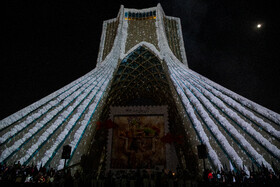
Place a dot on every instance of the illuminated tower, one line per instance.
(157, 104)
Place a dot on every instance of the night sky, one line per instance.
(50, 44)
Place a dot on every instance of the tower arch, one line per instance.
(141, 80)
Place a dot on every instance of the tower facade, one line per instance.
(143, 100)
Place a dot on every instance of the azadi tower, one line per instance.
(142, 107)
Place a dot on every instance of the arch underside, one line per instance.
(141, 80)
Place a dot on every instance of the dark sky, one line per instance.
(50, 44)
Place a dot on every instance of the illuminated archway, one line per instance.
(141, 80)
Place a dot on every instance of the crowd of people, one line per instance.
(261, 177)
(21, 175)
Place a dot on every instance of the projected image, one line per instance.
(136, 142)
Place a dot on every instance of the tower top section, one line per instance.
(134, 27)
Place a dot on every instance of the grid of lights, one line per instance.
(140, 15)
